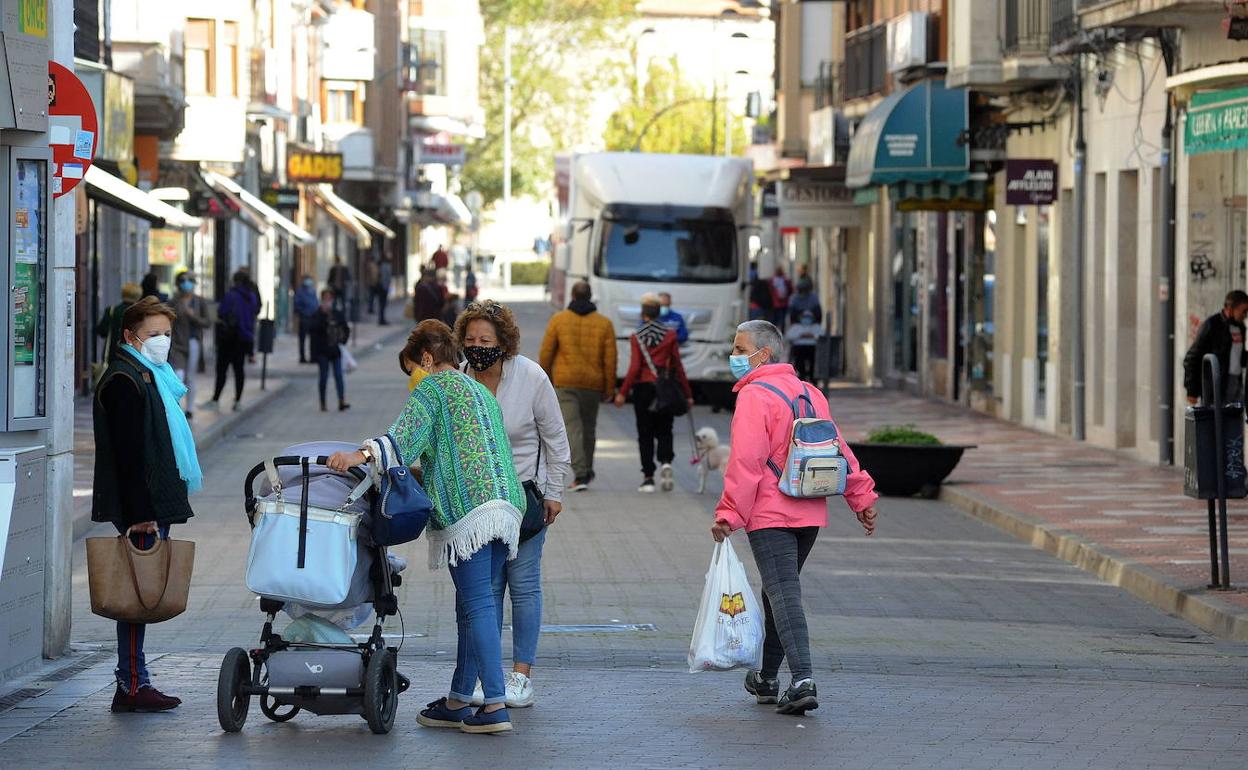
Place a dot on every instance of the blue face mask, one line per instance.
(186, 286)
(309, 283)
(664, 311)
(740, 365)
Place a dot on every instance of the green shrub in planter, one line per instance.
(902, 434)
(529, 273)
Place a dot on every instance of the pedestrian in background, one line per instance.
(188, 333)
(489, 337)
(440, 260)
(654, 348)
(254, 302)
(426, 301)
(145, 468)
(381, 289)
(306, 305)
(760, 296)
(235, 335)
(460, 257)
(151, 287)
(781, 289)
(1223, 335)
(578, 353)
(671, 319)
(109, 326)
(781, 529)
(328, 330)
(803, 337)
(805, 301)
(453, 427)
(339, 283)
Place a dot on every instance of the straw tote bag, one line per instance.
(138, 586)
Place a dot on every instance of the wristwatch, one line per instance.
(368, 454)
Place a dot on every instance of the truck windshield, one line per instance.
(669, 244)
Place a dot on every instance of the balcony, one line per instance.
(1065, 23)
(866, 62)
(356, 145)
(1026, 35)
(1148, 13)
(159, 101)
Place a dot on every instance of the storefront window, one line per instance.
(905, 279)
(1043, 232)
(980, 282)
(938, 295)
(29, 315)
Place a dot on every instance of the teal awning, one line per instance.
(1217, 121)
(912, 136)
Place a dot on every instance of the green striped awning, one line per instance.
(1217, 121)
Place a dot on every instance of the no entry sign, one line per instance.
(73, 128)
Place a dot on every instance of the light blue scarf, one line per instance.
(171, 392)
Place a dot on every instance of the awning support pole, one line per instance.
(1081, 232)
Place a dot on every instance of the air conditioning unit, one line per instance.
(907, 41)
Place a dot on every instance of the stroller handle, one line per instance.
(288, 460)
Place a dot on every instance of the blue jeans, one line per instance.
(325, 363)
(480, 633)
(131, 672)
(523, 575)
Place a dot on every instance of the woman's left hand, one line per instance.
(553, 509)
(344, 461)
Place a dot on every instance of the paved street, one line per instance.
(941, 642)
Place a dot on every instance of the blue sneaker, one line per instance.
(481, 722)
(438, 715)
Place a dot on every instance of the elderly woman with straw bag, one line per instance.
(453, 427)
(145, 467)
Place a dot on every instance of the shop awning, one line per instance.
(912, 136)
(372, 224)
(340, 211)
(430, 208)
(1217, 121)
(260, 209)
(119, 194)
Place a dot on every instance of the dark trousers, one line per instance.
(804, 361)
(780, 317)
(780, 554)
(303, 338)
(378, 294)
(131, 669)
(230, 355)
(653, 430)
(325, 363)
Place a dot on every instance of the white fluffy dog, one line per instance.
(710, 455)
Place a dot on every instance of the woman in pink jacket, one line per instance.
(781, 529)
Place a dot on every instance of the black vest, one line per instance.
(165, 487)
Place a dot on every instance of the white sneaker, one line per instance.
(647, 487)
(665, 477)
(478, 696)
(519, 690)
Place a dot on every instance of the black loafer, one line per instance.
(798, 699)
(763, 690)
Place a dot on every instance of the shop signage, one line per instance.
(1030, 182)
(817, 204)
(164, 247)
(282, 198)
(1217, 121)
(446, 154)
(73, 129)
(314, 167)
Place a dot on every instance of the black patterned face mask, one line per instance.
(480, 358)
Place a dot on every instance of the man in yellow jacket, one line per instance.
(578, 352)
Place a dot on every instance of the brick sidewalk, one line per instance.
(1125, 521)
(209, 426)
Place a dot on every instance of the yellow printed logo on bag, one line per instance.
(733, 605)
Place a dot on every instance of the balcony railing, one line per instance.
(826, 83)
(1028, 26)
(1065, 21)
(866, 58)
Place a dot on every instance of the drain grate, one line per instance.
(61, 674)
(13, 699)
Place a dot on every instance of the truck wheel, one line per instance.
(381, 691)
(232, 704)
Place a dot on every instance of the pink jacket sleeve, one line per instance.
(859, 486)
(747, 462)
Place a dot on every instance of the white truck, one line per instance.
(635, 223)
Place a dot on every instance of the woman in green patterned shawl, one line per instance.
(452, 425)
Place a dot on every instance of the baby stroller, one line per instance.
(310, 552)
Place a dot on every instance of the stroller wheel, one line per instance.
(381, 691)
(270, 708)
(232, 704)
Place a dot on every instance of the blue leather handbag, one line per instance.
(401, 507)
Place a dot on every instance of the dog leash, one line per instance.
(693, 441)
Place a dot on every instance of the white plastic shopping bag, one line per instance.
(349, 363)
(729, 630)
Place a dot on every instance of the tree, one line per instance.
(669, 114)
(554, 44)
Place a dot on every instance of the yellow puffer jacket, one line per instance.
(578, 351)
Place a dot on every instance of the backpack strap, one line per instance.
(775, 468)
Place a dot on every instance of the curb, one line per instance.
(1198, 606)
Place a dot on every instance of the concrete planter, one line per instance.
(902, 470)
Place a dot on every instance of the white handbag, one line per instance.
(308, 554)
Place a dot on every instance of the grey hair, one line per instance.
(765, 335)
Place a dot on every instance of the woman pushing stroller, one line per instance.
(453, 426)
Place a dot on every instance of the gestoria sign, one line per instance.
(1217, 121)
(314, 167)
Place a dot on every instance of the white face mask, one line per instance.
(156, 349)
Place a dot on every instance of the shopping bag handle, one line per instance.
(134, 577)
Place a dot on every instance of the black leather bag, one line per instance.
(669, 397)
(534, 520)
